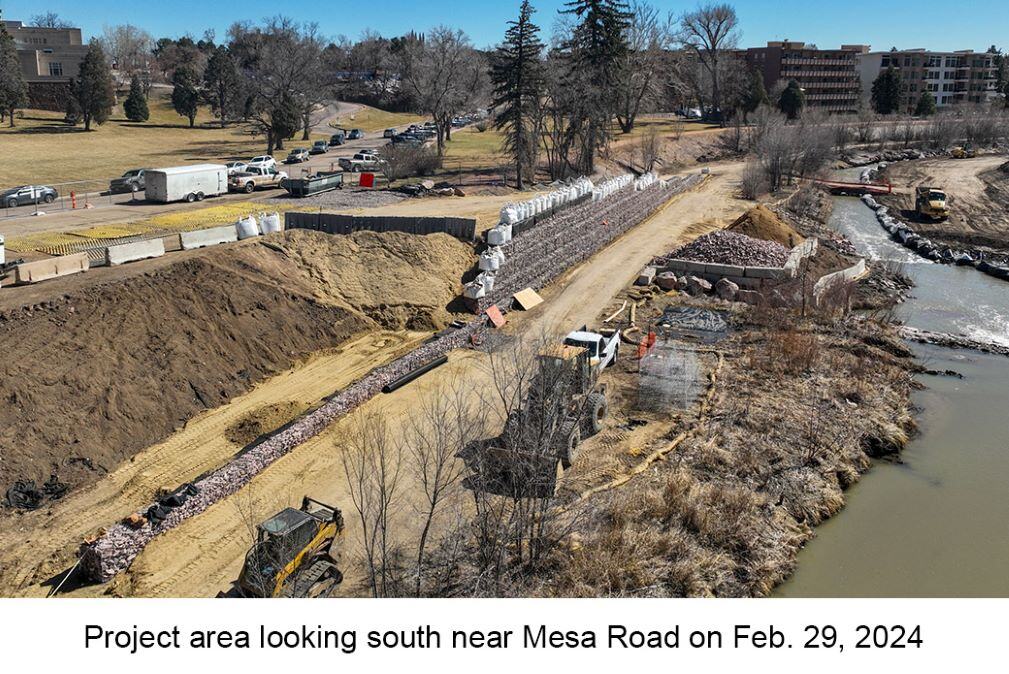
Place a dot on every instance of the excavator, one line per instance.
(564, 403)
(293, 554)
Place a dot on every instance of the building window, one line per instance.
(55, 69)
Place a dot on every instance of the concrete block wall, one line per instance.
(752, 278)
(131, 252)
(202, 238)
(34, 272)
(848, 275)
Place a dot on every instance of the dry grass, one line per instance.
(372, 119)
(45, 150)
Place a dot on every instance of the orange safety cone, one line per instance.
(73, 200)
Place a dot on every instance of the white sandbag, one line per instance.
(247, 228)
(270, 223)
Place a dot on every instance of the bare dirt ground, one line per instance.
(203, 555)
(978, 191)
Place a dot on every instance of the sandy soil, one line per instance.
(978, 191)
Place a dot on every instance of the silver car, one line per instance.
(28, 194)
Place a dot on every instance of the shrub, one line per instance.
(405, 161)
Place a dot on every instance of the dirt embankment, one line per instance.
(978, 192)
(92, 376)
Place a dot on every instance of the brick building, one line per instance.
(50, 58)
(829, 77)
(951, 77)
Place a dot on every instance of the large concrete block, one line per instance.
(202, 238)
(773, 273)
(131, 252)
(726, 270)
(33, 272)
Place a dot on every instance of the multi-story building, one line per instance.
(951, 77)
(828, 77)
(50, 57)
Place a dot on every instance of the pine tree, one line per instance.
(595, 54)
(13, 90)
(792, 100)
(221, 85)
(135, 105)
(926, 105)
(93, 90)
(756, 93)
(186, 93)
(518, 78)
(886, 92)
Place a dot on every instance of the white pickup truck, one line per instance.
(362, 161)
(255, 177)
(603, 349)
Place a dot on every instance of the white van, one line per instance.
(186, 183)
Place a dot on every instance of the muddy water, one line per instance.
(936, 524)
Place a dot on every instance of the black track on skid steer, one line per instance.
(320, 571)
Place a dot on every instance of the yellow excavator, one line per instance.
(293, 555)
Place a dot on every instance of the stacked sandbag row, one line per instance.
(647, 180)
(514, 213)
(611, 186)
(539, 256)
(115, 550)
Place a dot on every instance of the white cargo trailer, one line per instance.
(186, 183)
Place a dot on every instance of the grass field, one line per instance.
(42, 149)
(472, 150)
(373, 119)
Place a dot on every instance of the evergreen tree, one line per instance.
(926, 105)
(186, 93)
(13, 89)
(135, 105)
(517, 75)
(792, 100)
(886, 92)
(222, 85)
(595, 53)
(93, 90)
(756, 94)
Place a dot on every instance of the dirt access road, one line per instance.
(978, 191)
(204, 554)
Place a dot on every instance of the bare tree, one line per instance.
(444, 75)
(49, 19)
(709, 32)
(372, 462)
(649, 38)
(130, 49)
(650, 148)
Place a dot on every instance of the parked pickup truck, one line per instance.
(255, 177)
(603, 349)
(362, 161)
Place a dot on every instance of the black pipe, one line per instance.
(410, 376)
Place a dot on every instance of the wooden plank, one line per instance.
(527, 299)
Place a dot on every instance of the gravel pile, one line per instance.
(724, 247)
(345, 198)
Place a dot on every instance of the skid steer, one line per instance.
(563, 404)
(293, 554)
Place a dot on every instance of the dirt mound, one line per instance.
(264, 420)
(92, 376)
(725, 247)
(400, 280)
(760, 222)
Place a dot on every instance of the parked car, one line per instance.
(355, 134)
(236, 166)
(320, 147)
(362, 161)
(408, 138)
(389, 133)
(28, 194)
(262, 161)
(297, 156)
(255, 178)
(338, 138)
(131, 181)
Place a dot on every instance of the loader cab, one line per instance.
(567, 362)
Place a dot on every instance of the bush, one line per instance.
(406, 161)
(482, 125)
(753, 182)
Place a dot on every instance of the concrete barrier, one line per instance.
(202, 238)
(798, 254)
(849, 275)
(131, 252)
(33, 272)
(725, 270)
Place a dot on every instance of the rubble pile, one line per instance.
(115, 550)
(727, 247)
